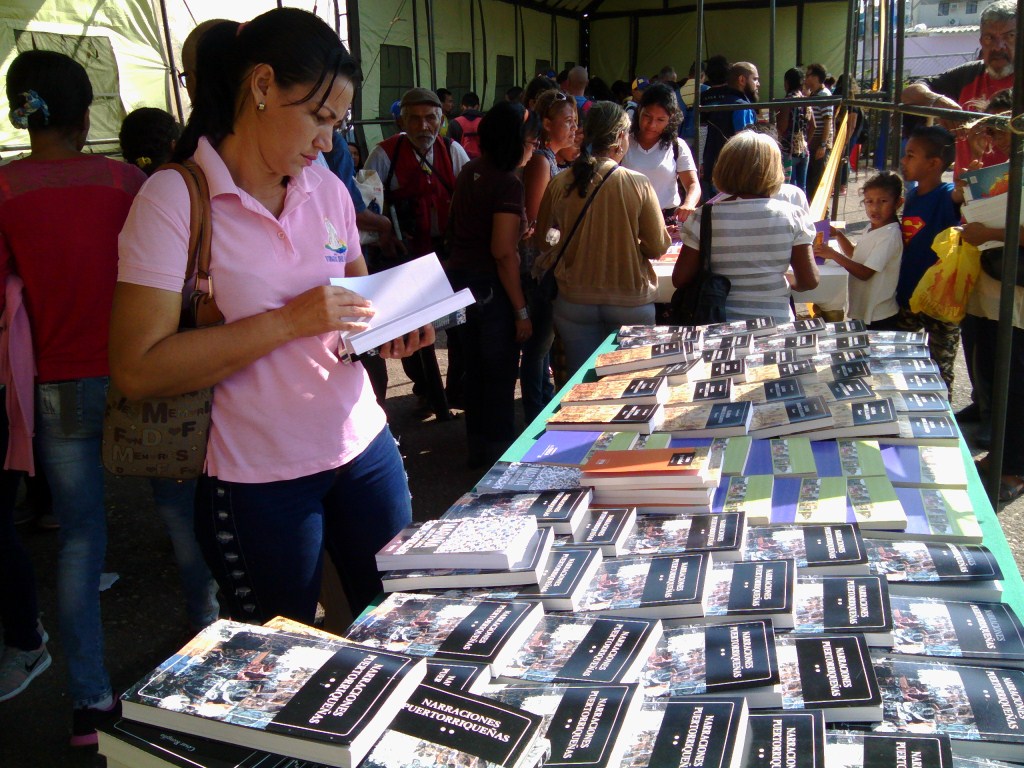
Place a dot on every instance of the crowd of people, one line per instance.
(549, 207)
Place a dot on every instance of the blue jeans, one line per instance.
(582, 327)
(534, 381)
(175, 503)
(265, 541)
(69, 429)
(799, 171)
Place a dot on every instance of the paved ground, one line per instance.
(143, 612)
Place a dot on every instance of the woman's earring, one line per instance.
(261, 107)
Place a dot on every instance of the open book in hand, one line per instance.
(404, 298)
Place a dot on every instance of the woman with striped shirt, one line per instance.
(755, 239)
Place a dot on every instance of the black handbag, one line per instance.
(547, 286)
(702, 300)
(992, 265)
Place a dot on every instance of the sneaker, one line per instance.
(85, 721)
(19, 668)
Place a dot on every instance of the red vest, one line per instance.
(422, 190)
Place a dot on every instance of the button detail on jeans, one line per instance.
(225, 538)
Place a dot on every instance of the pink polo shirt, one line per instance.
(298, 410)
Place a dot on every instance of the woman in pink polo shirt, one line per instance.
(300, 456)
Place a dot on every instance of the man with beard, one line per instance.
(969, 86)
(418, 168)
(741, 88)
(820, 143)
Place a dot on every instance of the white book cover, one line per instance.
(404, 298)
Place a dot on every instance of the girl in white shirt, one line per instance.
(874, 262)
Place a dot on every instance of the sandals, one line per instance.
(1011, 487)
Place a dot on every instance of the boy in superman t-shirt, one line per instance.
(929, 209)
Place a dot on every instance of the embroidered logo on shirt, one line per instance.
(335, 245)
(911, 226)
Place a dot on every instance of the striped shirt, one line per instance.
(752, 243)
(822, 113)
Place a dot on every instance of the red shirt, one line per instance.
(59, 222)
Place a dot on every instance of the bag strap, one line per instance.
(200, 238)
(579, 218)
(705, 237)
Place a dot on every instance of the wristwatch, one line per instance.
(522, 313)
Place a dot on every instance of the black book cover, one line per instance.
(677, 369)
(586, 721)
(758, 587)
(643, 387)
(562, 576)
(926, 382)
(873, 412)
(856, 604)
(847, 326)
(852, 370)
(547, 506)
(665, 350)
(889, 751)
(796, 368)
(697, 733)
(809, 325)
(457, 675)
(712, 389)
(717, 531)
(849, 389)
(557, 506)
(634, 414)
(716, 355)
(808, 409)
(737, 341)
(339, 699)
(987, 629)
(964, 561)
(855, 341)
(848, 355)
(740, 655)
(948, 628)
(187, 751)
(481, 635)
(760, 324)
(832, 544)
(787, 740)
(602, 527)
(802, 341)
(729, 415)
(932, 426)
(924, 402)
(779, 356)
(445, 724)
(673, 579)
(783, 389)
(835, 671)
(728, 368)
(608, 650)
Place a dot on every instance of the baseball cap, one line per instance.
(640, 84)
(420, 96)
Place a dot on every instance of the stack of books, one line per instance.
(738, 543)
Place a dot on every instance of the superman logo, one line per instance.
(911, 226)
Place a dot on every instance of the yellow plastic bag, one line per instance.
(944, 289)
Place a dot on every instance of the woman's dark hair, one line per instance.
(503, 134)
(58, 82)
(598, 90)
(886, 181)
(793, 79)
(1001, 101)
(601, 129)
(147, 138)
(300, 47)
(536, 87)
(661, 95)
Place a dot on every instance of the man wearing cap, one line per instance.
(418, 169)
(639, 86)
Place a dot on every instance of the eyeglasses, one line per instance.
(989, 39)
(183, 79)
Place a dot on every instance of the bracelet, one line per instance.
(522, 313)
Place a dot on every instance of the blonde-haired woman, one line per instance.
(755, 239)
(602, 224)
